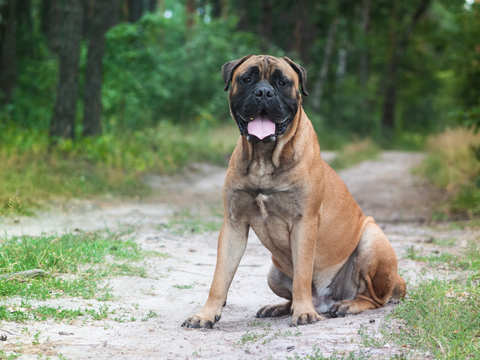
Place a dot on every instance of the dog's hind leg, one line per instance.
(281, 285)
(377, 267)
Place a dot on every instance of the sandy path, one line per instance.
(385, 188)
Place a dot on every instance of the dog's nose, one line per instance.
(264, 92)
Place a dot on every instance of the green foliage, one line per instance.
(158, 69)
(452, 166)
(112, 163)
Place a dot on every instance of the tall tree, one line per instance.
(322, 76)
(135, 10)
(51, 23)
(388, 113)
(104, 15)
(24, 15)
(8, 50)
(242, 8)
(152, 5)
(266, 20)
(190, 13)
(63, 120)
(364, 57)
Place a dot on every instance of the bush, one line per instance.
(452, 165)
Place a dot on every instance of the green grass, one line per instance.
(26, 312)
(469, 259)
(5, 356)
(183, 287)
(443, 316)
(267, 336)
(74, 263)
(336, 355)
(112, 164)
(451, 165)
(355, 153)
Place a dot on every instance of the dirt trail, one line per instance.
(385, 188)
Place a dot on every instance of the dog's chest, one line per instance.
(271, 213)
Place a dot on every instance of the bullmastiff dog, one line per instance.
(327, 256)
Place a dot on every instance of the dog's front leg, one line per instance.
(303, 243)
(231, 246)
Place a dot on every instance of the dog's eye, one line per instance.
(247, 80)
(281, 83)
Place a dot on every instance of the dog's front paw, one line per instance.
(305, 318)
(274, 310)
(197, 322)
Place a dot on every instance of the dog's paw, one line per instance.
(197, 322)
(274, 310)
(346, 307)
(305, 318)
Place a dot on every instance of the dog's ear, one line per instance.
(301, 72)
(229, 68)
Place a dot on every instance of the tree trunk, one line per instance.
(103, 10)
(135, 10)
(216, 8)
(388, 113)
(299, 20)
(8, 51)
(24, 15)
(52, 24)
(364, 57)
(317, 91)
(63, 120)
(266, 20)
(242, 8)
(190, 13)
(152, 6)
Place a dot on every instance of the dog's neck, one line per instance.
(271, 157)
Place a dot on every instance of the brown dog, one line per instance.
(327, 255)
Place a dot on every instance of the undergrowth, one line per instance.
(451, 165)
(111, 164)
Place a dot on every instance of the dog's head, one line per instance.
(265, 95)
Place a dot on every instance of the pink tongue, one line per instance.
(261, 127)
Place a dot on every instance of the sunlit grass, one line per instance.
(355, 153)
(452, 166)
(110, 164)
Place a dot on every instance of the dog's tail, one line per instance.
(400, 289)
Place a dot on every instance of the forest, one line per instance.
(115, 136)
(132, 85)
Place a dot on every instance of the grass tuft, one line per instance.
(355, 153)
(452, 304)
(73, 262)
(451, 165)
